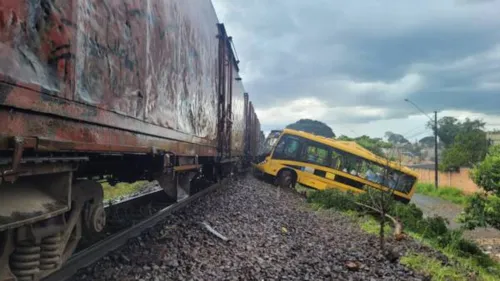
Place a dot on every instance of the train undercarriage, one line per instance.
(49, 202)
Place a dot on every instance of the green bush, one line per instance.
(480, 211)
(484, 209)
(333, 198)
(410, 215)
(467, 248)
(486, 174)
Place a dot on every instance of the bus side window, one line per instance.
(349, 163)
(287, 148)
(316, 154)
(336, 160)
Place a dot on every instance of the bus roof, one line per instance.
(353, 148)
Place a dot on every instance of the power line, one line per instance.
(417, 134)
(412, 130)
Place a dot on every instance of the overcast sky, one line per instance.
(351, 64)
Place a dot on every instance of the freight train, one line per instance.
(118, 90)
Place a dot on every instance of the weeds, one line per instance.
(121, 189)
(372, 226)
(432, 267)
(447, 193)
(432, 231)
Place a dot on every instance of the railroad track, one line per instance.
(96, 251)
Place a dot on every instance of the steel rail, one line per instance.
(95, 252)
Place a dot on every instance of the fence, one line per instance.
(460, 180)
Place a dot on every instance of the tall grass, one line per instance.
(447, 193)
(432, 267)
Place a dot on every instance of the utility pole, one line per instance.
(436, 172)
(436, 150)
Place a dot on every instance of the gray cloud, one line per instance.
(441, 54)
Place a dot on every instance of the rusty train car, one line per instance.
(117, 90)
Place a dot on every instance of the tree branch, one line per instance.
(398, 227)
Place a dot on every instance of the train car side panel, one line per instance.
(145, 67)
(252, 130)
(152, 60)
(238, 117)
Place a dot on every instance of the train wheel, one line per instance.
(286, 179)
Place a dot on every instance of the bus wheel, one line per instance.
(286, 179)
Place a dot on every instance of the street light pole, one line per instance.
(436, 172)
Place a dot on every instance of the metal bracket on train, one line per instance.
(10, 174)
(168, 166)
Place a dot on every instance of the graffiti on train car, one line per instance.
(149, 60)
(35, 46)
(163, 76)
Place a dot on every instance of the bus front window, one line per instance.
(270, 142)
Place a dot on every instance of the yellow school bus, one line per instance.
(317, 162)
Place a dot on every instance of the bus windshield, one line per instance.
(270, 142)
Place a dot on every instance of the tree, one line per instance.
(450, 127)
(381, 201)
(427, 141)
(344, 138)
(484, 209)
(396, 138)
(312, 126)
(486, 174)
(375, 145)
(464, 143)
(468, 148)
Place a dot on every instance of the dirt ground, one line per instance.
(273, 236)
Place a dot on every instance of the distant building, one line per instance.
(493, 137)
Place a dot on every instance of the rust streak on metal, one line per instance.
(186, 168)
(10, 175)
(31, 169)
(52, 145)
(77, 136)
(6, 142)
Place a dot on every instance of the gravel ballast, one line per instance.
(272, 236)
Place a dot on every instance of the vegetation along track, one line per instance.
(153, 207)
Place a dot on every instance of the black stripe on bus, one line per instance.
(320, 173)
(348, 181)
(294, 167)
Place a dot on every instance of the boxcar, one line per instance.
(110, 90)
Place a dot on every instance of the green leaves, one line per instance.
(450, 127)
(469, 147)
(374, 145)
(484, 209)
(487, 173)
(481, 211)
